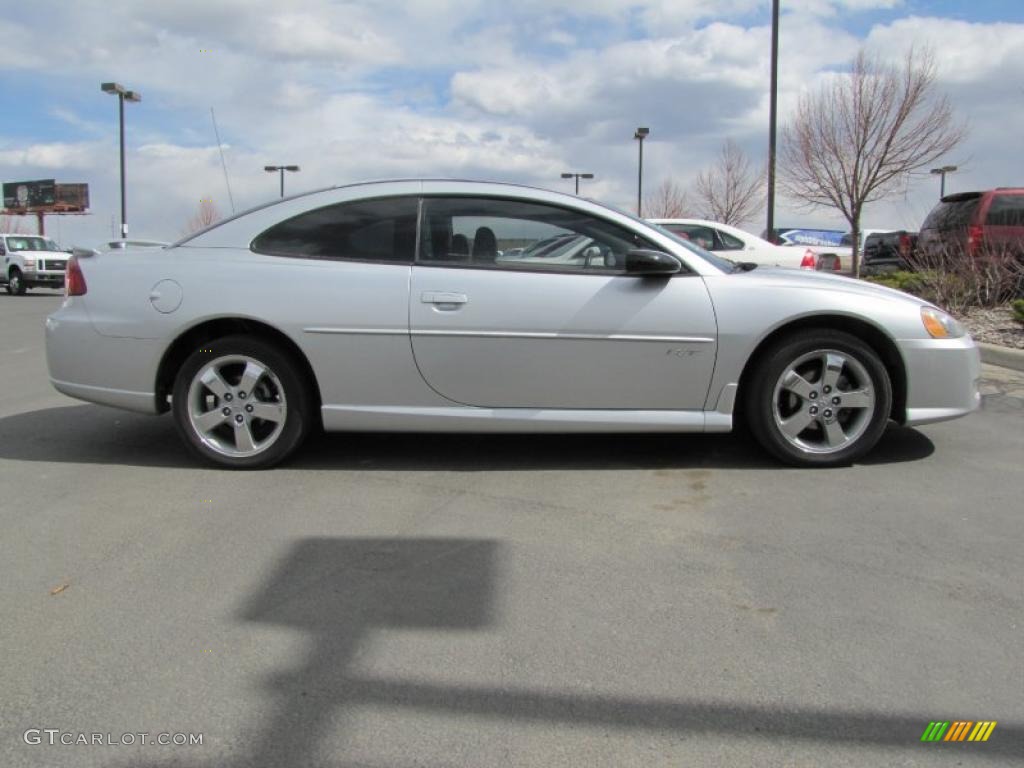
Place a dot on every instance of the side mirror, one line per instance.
(641, 261)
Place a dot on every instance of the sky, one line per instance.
(513, 91)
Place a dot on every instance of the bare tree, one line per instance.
(667, 201)
(731, 191)
(858, 138)
(205, 215)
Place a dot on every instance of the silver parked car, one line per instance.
(385, 306)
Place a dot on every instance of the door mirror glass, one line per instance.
(641, 261)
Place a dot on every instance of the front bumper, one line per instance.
(942, 379)
(39, 279)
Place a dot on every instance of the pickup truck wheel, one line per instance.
(240, 403)
(819, 399)
(16, 283)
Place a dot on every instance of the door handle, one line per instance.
(443, 298)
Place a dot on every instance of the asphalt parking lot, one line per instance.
(417, 600)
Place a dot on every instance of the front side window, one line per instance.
(522, 235)
(362, 230)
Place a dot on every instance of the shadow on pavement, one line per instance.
(93, 434)
(338, 591)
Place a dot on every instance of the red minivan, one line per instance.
(975, 223)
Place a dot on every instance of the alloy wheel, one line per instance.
(823, 402)
(236, 406)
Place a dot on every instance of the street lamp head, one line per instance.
(291, 167)
(111, 88)
(641, 133)
(270, 168)
(567, 175)
(132, 96)
(944, 169)
(586, 175)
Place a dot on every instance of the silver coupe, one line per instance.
(460, 306)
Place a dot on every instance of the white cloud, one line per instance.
(375, 88)
(56, 155)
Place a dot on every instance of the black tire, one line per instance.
(282, 388)
(16, 283)
(767, 403)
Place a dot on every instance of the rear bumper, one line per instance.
(99, 369)
(942, 379)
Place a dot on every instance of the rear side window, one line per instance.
(362, 230)
(952, 214)
(1006, 211)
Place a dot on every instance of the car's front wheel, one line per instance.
(16, 283)
(239, 402)
(819, 399)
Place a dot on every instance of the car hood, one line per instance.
(819, 281)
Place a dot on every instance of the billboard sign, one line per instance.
(30, 194)
(72, 196)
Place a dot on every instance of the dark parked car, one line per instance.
(889, 252)
(975, 224)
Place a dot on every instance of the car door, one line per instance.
(491, 330)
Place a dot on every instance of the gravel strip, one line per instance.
(994, 326)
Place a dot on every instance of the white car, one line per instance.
(737, 245)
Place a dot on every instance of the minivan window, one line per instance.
(952, 214)
(363, 230)
(1006, 211)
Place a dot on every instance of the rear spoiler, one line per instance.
(82, 253)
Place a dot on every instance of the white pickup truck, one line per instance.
(31, 261)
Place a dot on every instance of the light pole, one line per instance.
(941, 173)
(640, 135)
(280, 169)
(123, 95)
(773, 119)
(577, 176)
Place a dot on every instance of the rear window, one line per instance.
(952, 214)
(1006, 211)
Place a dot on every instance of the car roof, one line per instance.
(397, 182)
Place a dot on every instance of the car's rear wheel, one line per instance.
(16, 283)
(239, 402)
(819, 399)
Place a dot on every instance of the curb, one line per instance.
(1006, 357)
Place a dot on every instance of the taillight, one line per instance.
(974, 236)
(74, 280)
(809, 260)
(837, 265)
(904, 246)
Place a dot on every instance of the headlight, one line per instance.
(940, 325)
(29, 263)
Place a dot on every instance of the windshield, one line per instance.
(23, 243)
(726, 265)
